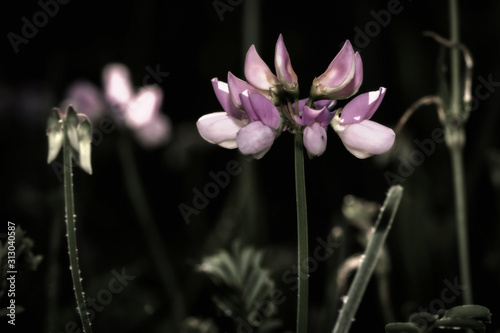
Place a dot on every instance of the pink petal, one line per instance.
(255, 139)
(362, 107)
(237, 86)
(155, 133)
(315, 140)
(265, 110)
(221, 90)
(257, 72)
(86, 98)
(219, 128)
(117, 84)
(309, 115)
(353, 86)
(144, 106)
(283, 66)
(366, 138)
(338, 74)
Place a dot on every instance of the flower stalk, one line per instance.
(455, 139)
(73, 133)
(71, 234)
(302, 234)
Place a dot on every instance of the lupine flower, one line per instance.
(256, 112)
(141, 110)
(361, 136)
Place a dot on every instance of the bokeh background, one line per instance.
(193, 43)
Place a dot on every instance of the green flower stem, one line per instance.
(71, 235)
(455, 140)
(367, 266)
(461, 220)
(455, 58)
(300, 190)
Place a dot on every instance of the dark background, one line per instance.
(190, 41)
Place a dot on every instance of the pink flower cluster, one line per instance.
(258, 110)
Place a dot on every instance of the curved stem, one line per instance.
(71, 235)
(300, 191)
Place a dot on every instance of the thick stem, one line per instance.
(455, 140)
(455, 58)
(461, 221)
(303, 270)
(71, 235)
(369, 261)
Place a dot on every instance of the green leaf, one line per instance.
(457, 323)
(401, 328)
(477, 312)
(241, 284)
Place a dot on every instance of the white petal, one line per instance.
(219, 128)
(144, 107)
(117, 86)
(366, 138)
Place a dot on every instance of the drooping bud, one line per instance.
(84, 141)
(55, 134)
(71, 124)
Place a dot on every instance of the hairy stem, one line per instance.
(71, 235)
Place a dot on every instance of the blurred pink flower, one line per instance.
(140, 111)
